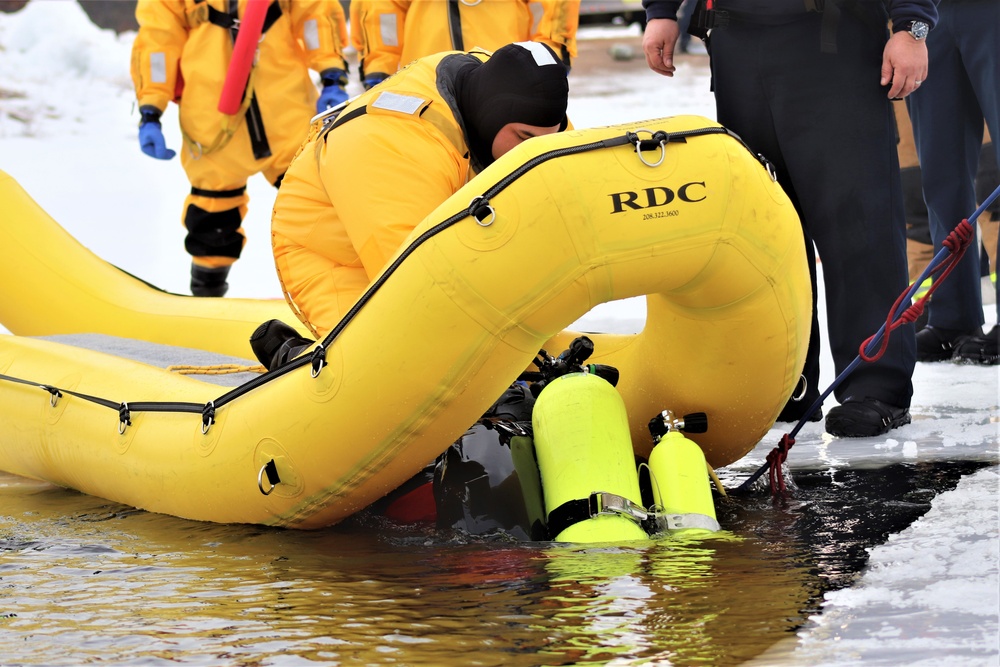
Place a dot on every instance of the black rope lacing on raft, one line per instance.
(123, 408)
(872, 349)
(317, 360)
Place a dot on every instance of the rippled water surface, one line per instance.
(87, 581)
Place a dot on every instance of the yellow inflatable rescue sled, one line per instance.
(677, 209)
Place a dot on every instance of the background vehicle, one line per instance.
(614, 12)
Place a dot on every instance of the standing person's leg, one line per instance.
(987, 181)
(919, 247)
(948, 128)
(213, 214)
(739, 59)
(842, 157)
(683, 21)
(980, 34)
(837, 159)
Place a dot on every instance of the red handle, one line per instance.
(238, 74)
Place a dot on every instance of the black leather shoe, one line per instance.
(936, 344)
(981, 349)
(861, 418)
(274, 343)
(209, 282)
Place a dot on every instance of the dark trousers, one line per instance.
(828, 127)
(947, 111)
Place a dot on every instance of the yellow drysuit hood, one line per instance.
(522, 82)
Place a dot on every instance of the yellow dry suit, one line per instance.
(389, 34)
(362, 182)
(182, 53)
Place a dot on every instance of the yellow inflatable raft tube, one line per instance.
(676, 208)
(54, 285)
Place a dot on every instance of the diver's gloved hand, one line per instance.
(374, 79)
(151, 139)
(333, 92)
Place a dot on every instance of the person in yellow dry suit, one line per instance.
(367, 176)
(182, 53)
(388, 34)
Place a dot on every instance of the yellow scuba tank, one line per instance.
(522, 452)
(586, 462)
(682, 492)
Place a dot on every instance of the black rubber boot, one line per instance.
(865, 417)
(274, 343)
(981, 349)
(209, 282)
(937, 344)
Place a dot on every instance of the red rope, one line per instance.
(957, 242)
(775, 459)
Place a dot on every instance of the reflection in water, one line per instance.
(713, 601)
(86, 581)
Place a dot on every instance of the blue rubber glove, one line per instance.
(151, 139)
(330, 97)
(333, 92)
(374, 79)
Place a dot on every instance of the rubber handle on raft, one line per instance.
(244, 49)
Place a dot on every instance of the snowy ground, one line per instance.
(930, 595)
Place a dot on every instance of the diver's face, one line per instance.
(511, 134)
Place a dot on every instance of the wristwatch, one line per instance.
(918, 30)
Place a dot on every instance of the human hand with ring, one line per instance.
(904, 64)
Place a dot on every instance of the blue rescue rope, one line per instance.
(777, 456)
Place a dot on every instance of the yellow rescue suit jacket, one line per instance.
(355, 192)
(180, 55)
(388, 34)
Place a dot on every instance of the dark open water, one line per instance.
(84, 581)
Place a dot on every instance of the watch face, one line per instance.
(919, 30)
